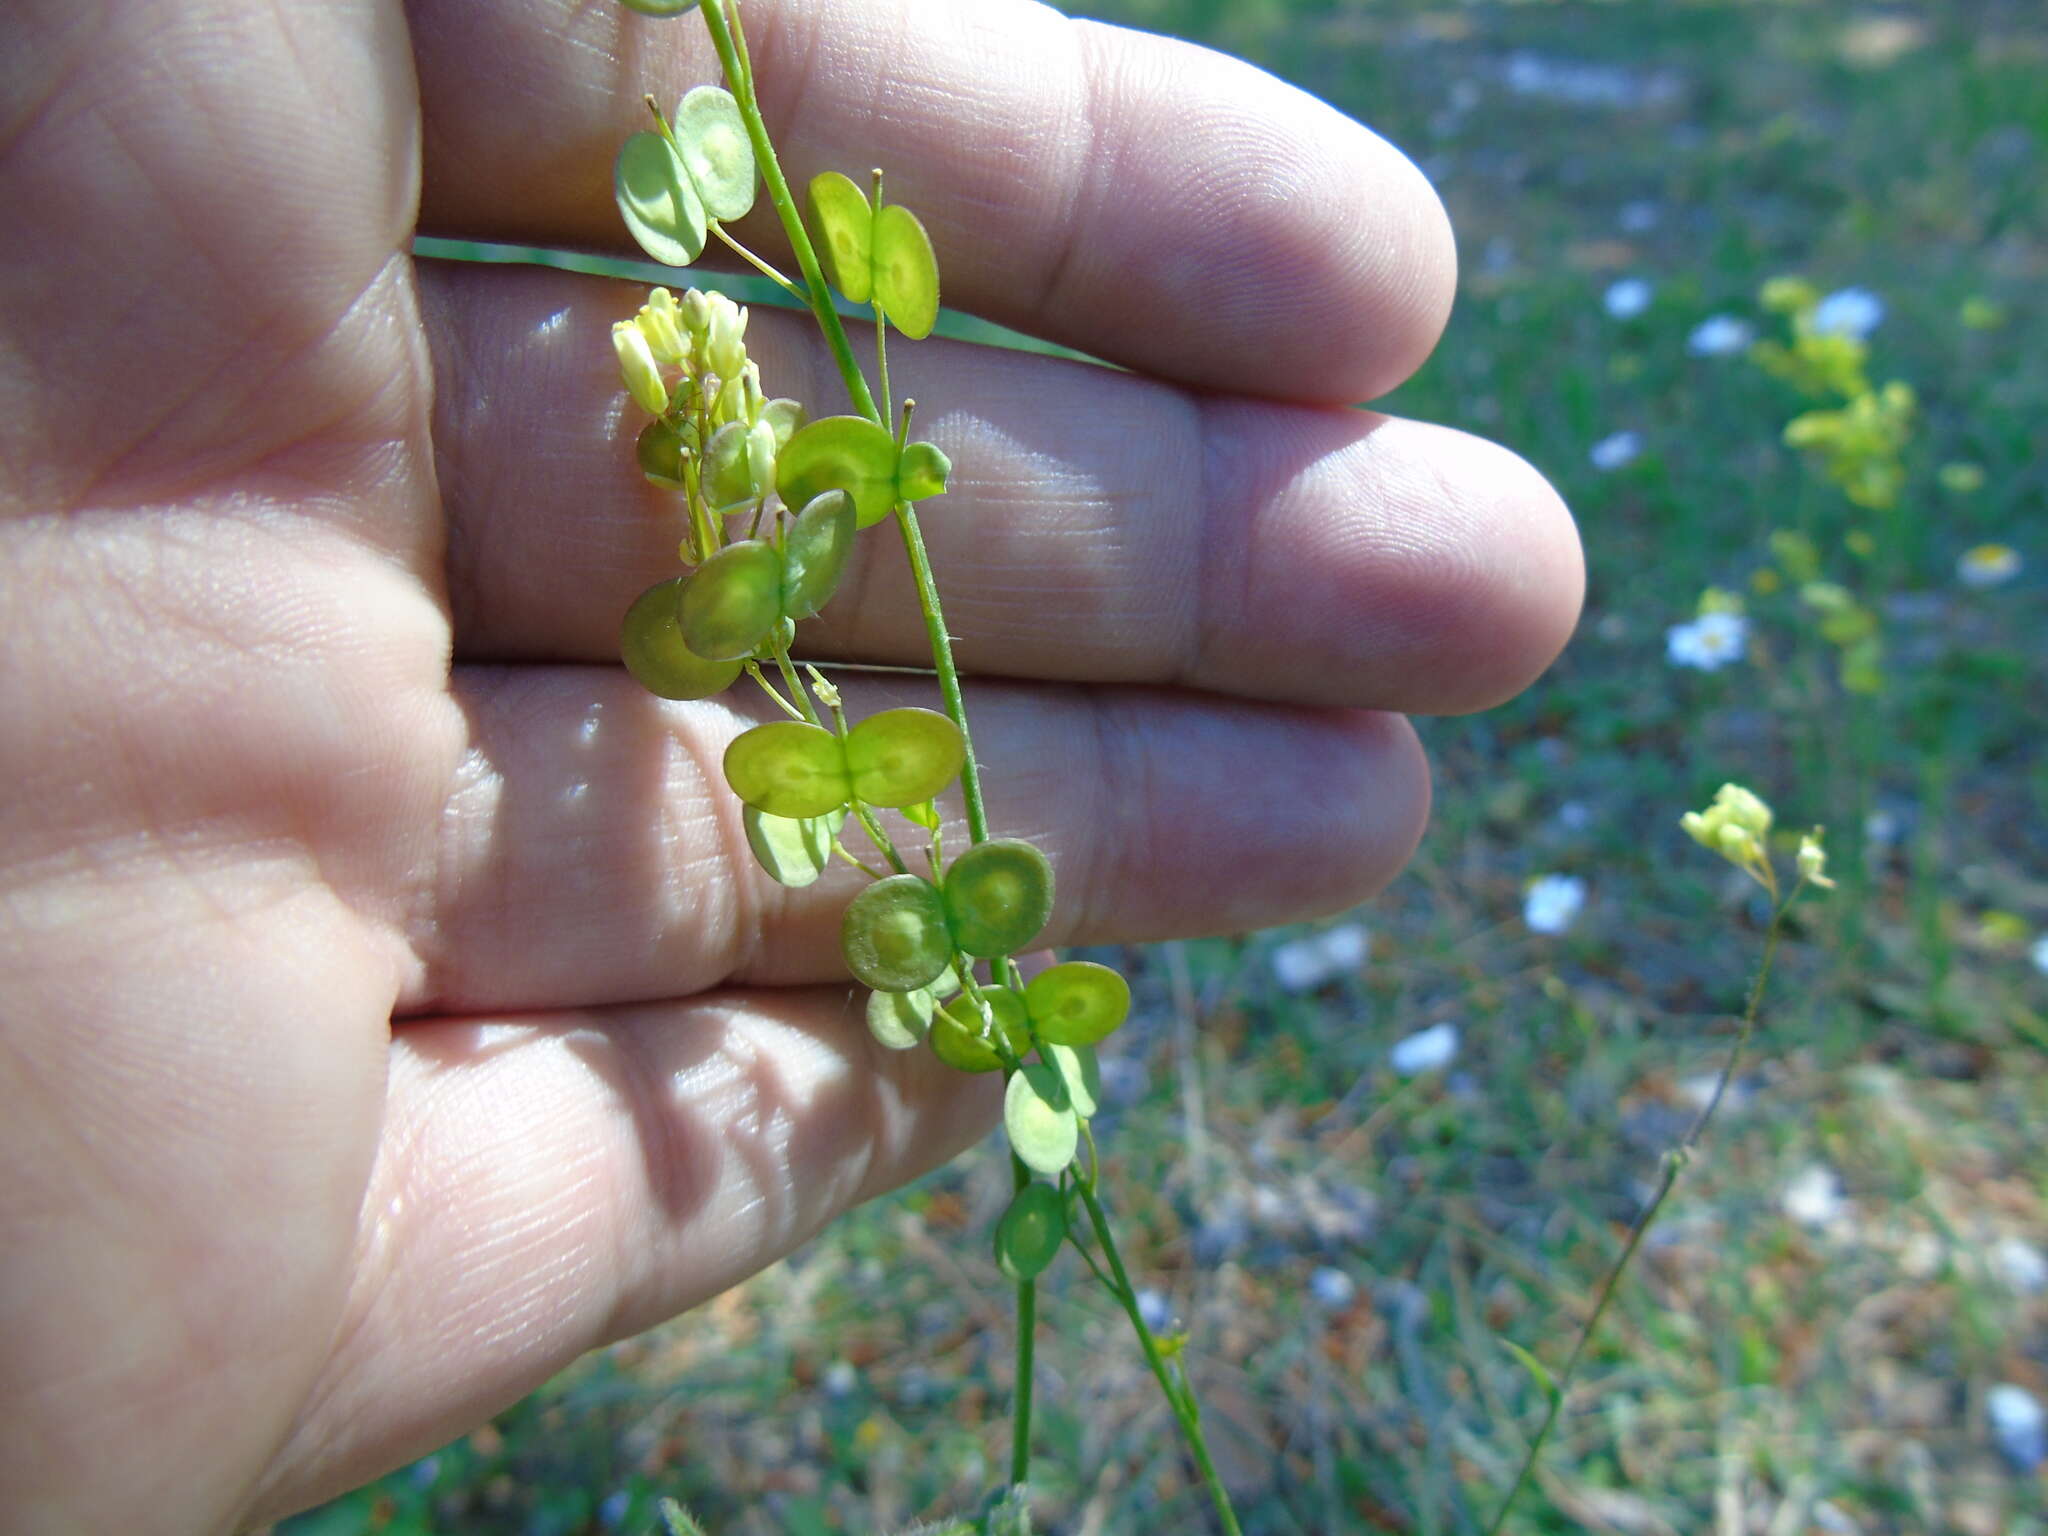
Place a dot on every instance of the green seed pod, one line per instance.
(789, 768)
(922, 471)
(820, 538)
(660, 7)
(784, 416)
(900, 1020)
(998, 897)
(840, 453)
(906, 274)
(661, 447)
(1077, 1002)
(651, 644)
(733, 600)
(903, 756)
(1029, 1235)
(1081, 1072)
(845, 220)
(956, 1034)
(793, 850)
(1044, 1130)
(894, 935)
(658, 200)
(739, 465)
(716, 151)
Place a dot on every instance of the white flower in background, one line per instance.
(1332, 1287)
(1708, 643)
(840, 1379)
(1849, 312)
(2022, 1264)
(1628, 297)
(2018, 1425)
(1553, 902)
(1427, 1050)
(2039, 954)
(1720, 336)
(1814, 1196)
(1611, 453)
(1303, 964)
(1988, 565)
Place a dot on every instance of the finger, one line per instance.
(548, 1184)
(1138, 198)
(1100, 526)
(592, 853)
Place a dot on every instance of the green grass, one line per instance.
(1752, 1368)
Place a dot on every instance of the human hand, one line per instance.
(392, 1010)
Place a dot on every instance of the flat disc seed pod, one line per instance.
(1029, 1235)
(794, 850)
(840, 453)
(1081, 1072)
(956, 1035)
(998, 897)
(733, 600)
(652, 646)
(658, 200)
(1077, 1002)
(894, 935)
(820, 539)
(846, 222)
(900, 1020)
(903, 756)
(789, 768)
(716, 151)
(1044, 1130)
(906, 279)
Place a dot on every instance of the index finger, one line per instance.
(1135, 197)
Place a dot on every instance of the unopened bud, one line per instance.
(636, 364)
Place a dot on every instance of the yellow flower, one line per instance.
(1735, 827)
(1813, 861)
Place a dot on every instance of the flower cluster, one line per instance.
(1737, 826)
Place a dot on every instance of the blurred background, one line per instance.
(1356, 1162)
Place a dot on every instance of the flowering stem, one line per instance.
(1674, 1163)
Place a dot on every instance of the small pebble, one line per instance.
(1814, 1198)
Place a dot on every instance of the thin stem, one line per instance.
(756, 262)
(1674, 1164)
(740, 75)
(942, 658)
(1179, 1396)
(796, 687)
(843, 852)
(1027, 1341)
(754, 671)
(880, 838)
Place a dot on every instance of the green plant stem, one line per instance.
(1027, 1329)
(730, 44)
(1178, 1395)
(1674, 1164)
(741, 78)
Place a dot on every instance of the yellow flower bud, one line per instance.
(1741, 807)
(1813, 861)
(636, 364)
(662, 324)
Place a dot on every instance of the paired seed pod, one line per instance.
(879, 254)
(899, 934)
(673, 185)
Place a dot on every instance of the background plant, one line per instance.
(1843, 1281)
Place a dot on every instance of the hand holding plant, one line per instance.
(395, 1007)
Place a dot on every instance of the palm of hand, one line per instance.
(304, 738)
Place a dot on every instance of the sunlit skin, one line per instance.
(390, 1006)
